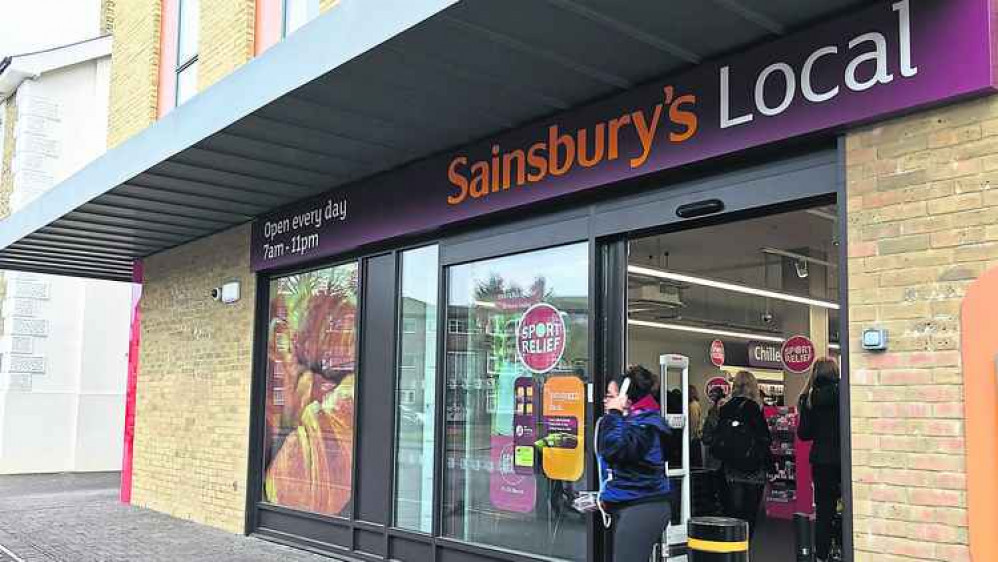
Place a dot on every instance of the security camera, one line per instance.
(228, 293)
(801, 266)
(767, 317)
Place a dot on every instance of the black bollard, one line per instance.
(718, 539)
(804, 537)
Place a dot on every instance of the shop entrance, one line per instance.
(752, 305)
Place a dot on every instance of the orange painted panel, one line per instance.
(980, 376)
(268, 24)
(168, 57)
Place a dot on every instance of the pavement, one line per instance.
(78, 518)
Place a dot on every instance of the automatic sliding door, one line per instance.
(752, 305)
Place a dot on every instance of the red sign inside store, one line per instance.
(717, 353)
(720, 383)
(798, 354)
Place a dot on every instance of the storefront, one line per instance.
(473, 322)
(431, 342)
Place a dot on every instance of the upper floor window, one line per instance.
(187, 50)
(297, 13)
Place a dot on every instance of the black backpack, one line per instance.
(733, 442)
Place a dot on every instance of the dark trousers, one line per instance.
(637, 528)
(827, 492)
(742, 500)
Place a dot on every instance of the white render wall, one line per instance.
(64, 347)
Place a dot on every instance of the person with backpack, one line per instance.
(819, 423)
(714, 481)
(741, 441)
(631, 445)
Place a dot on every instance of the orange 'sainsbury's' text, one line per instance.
(560, 152)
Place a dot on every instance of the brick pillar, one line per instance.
(134, 68)
(227, 32)
(923, 224)
(106, 17)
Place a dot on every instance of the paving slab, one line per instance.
(78, 518)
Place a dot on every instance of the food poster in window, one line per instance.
(310, 390)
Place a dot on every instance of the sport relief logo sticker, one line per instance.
(717, 353)
(798, 354)
(540, 338)
(722, 386)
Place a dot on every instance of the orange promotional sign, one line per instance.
(564, 411)
(980, 374)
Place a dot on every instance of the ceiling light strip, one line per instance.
(707, 331)
(733, 287)
(713, 332)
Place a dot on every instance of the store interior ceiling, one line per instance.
(754, 254)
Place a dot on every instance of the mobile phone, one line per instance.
(625, 386)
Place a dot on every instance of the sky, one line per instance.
(31, 25)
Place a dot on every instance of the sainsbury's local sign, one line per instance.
(885, 59)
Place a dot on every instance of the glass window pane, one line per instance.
(312, 356)
(516, 374)
(417, 391)
(187, 45)
(297, 13)
(187, 83)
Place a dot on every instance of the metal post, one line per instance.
(804, 537)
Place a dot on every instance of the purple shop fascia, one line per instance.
(880, 61)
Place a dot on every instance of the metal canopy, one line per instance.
(363, 89)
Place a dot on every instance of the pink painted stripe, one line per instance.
(168, 57)
(268, 24)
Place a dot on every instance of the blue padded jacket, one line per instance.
(632, 459)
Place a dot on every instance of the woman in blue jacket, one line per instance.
(631, 445)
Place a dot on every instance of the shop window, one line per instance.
(187, 50)
(312, 359)
(416, 391)
(515, 406)
(297, 13)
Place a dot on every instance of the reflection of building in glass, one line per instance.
(496, 490)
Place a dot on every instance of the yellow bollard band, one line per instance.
(717, 546)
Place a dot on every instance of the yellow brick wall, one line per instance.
(227, 33)
(193, 397)
(134, 68)
(7, 157)
(107, 16)
(923, 224)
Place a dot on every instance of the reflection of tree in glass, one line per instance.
(313, 338)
